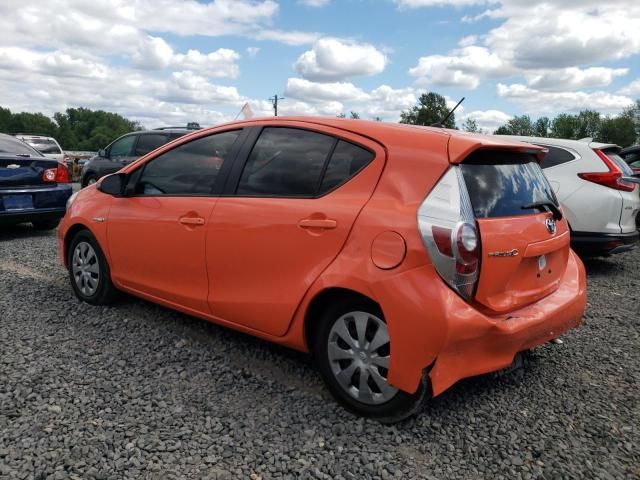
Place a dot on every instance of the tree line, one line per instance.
(75, 129)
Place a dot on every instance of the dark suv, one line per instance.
(128, 148)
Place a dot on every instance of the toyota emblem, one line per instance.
(551, 225)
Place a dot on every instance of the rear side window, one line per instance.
(347, 160)
(556, 156)
(285, 162)
(188, 169)
(501, 183)
(148, 142)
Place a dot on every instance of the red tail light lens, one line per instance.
(611, 179)
(60, 174)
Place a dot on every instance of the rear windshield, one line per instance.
(619, 162)
(44, 145)
(13, 146)
(501, 183)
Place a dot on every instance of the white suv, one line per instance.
(48, 146)
(597, 191)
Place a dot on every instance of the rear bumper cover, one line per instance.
(48, 203)
(604, 243)
(457, 341)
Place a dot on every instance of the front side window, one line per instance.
(148, 142)
(285, 162)
(188, 169)
(122, 147)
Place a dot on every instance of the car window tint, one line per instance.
(285, 162)
(122, 147)
(347, 160)
(148, 142)
(556, 156)
(188, 169)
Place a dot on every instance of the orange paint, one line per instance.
(256, 264)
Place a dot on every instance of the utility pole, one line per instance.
(274, 101)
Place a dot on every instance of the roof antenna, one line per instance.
(441, 123)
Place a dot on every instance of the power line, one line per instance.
(274, 102)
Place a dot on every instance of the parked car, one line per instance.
(126, 149)
(405, 258)
(48, 146)
(631, 155)
(33, 188)
(596, 191)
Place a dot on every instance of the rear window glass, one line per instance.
(13, 146)
(620, 163)
(44, 145)
(500, 184)
(556, 156)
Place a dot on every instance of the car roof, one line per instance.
(562, 142)
(631, 149)
(390, 133)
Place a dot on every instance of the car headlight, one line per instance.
(71, 199)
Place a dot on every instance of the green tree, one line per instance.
(564, 125)
(518, 125)
(431, 108)
(633, 113)
(541, 127)
(588, 124)
(354, 115)
(470, 125)
(619, 130)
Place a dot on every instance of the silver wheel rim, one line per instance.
(359, 357)
(85, 268)
(91, 181)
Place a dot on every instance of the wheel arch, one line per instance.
(320, 302)
(72, 232)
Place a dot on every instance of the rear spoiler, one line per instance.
(462, 145)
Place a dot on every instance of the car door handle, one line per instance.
(192, 221)
(318, 223)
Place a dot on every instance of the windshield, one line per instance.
(499, 189)
(13, 146)
(44, 145)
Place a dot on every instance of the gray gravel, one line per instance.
(139, 391)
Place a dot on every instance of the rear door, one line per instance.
(289, 210)
(524, 250)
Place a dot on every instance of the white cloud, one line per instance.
(575, 78)
(632, 89)
(488, 120)
(287, 37)
(437, 3)
(253, 51)
(463, 68)
(537, 101)
(333, 59)
(221, 63)
(317, 92)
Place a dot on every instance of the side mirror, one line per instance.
(112, 184)
(102, 153)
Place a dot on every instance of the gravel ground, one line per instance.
(143, 392)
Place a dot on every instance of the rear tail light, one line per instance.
(449, 233)
(60, 174)
(612, 178)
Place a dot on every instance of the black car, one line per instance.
(126, 149)
(33, 188)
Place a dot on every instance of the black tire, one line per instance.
(401, 406)
(46, 224)
(105, 293)
(89, 179)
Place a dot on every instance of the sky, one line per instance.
(169, 62)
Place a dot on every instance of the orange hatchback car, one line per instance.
(404, 258)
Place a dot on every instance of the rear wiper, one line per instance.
(545, 205)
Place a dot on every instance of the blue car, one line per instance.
(33, 188)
